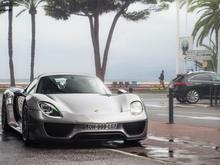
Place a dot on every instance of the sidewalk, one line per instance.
(194, 133)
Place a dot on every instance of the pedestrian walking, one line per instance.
(161, 78)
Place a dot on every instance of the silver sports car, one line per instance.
(69, 107)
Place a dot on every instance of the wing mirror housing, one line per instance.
(122, 91)
(19, 93)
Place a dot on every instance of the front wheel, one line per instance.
(192, 96)
(5, 126)
(25, 129)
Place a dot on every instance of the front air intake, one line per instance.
(134, 128)
(58, 130)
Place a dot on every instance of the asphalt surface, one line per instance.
(156, 150)
(200, 114)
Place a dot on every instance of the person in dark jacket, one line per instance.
(161, 78)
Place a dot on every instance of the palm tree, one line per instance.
(8, 6)
(212, 64)
(10, 42)
(31, 6)
(2, 7)
(208, 23)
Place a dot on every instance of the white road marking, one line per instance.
(203, 105)
(206, 118)
(191, 105)
(183, 106)
(194, 117)
(155, 105)
(202, 113)
(136, 156)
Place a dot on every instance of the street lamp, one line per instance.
(177, 37)
(218, 64)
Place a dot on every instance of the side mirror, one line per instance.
(19, 93)
(122, 91)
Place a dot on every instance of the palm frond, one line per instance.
(22, 11)
(208, 22)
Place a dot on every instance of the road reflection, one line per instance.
(159, 148)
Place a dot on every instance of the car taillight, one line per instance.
(181, 83)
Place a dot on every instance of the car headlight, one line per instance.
(136, 108)
(49, 109)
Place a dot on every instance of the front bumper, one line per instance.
(42, 129)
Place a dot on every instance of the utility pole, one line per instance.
(218, 62)
(218, 70)
(177, 37)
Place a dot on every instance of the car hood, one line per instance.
(87, 103)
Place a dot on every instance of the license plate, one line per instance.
(108, 126)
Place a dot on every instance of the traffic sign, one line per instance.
(198, 55)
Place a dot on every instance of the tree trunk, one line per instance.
(107, 46)
(33, 27)
(95, 48)
(96, 40)
(94, 29)
(10, 44)
(109, 39)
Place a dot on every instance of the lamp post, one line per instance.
(177, 37)
(218, 62)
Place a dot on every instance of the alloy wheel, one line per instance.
(192, 96)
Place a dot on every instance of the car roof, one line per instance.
(64, 73)
(200, 72)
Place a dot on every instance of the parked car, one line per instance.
(69, 107)
(193, 86)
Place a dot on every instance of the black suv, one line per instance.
(193, 86)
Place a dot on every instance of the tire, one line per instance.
(192, 96)
(5, 126)
(181, 99)
(25, 128)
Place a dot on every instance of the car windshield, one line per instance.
(71, 84)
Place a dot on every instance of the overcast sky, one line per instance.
(139, 50)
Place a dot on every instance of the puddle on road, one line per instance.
(185, 140)
(162, 139)
(172, 140)
(167, 154)
(172, 153)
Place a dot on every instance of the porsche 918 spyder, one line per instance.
(70, 107)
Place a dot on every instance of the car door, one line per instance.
(20, 100)
(202, 83)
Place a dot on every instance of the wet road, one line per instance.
(155, 150)
(13, 152)
(199, 114)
